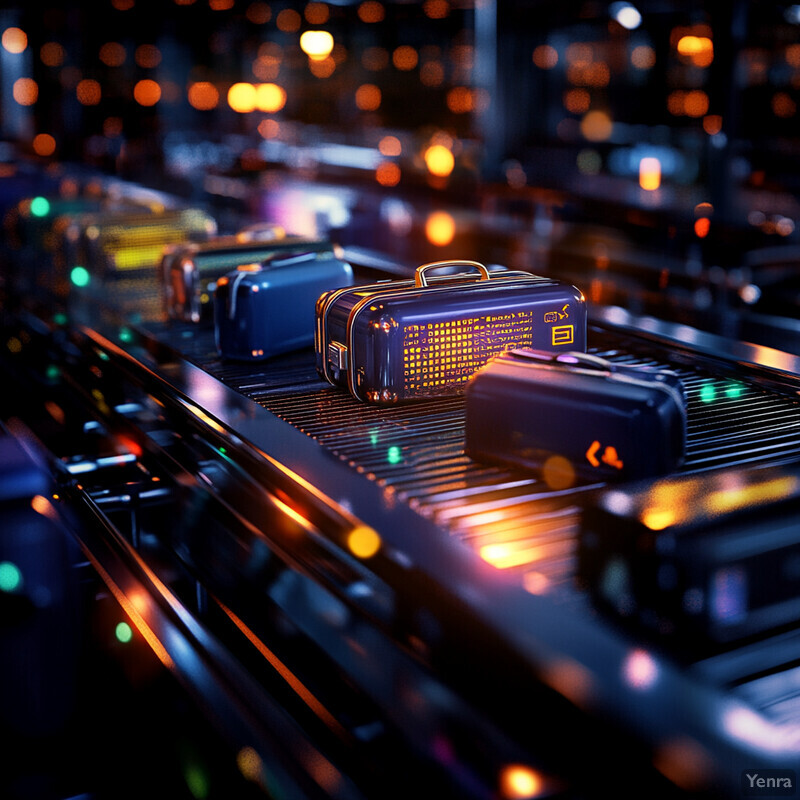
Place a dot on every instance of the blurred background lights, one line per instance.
(79, 276)
(203, 96)
(436, 9)
(368, 97)
(640, 670)
(371, 11)
(545, 56)
(249, 763)
(14, 40)
(440, 228)
(643, 57)
(317, 13)
(316, 44)
(40, 206)
(390, 146)
(702, 226)
(147, 56)
(26, 91)
(270, 97)
(388, 174)
(650, 173)
(626, 15)
(596, 126)
(698, 50)
(88, 92)
(52, 54)
(242, 97)
(518, 781)
(405, 58)
(439, 160)
(147, 92)
(288, 20)
(112, 54)
(10, 577)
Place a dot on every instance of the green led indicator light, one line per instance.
(125, 335)
(708, 394)
(223, 450)
(60, 318)
(373, 438)
(394, 455)
(734, 390)
(52, 372)
(10, 577)
(123, 632)
(80, 276)
(40, 206)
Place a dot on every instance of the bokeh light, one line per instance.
(440, 228)
(368, 97)
(270, 97)
(25, 91)
(147, 92)
(242, 97)
(44, 144)
(14, 40)
(203, 96)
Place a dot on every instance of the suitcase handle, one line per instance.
(575, 358)
(420, 278)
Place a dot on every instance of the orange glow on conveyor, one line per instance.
(301, 690)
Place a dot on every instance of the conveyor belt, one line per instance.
(511, 517)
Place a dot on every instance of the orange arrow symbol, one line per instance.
(590, 453)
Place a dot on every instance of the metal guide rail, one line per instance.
(476, 565)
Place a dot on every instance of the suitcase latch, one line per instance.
(337, 355)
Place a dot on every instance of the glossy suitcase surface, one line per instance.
(713, 556)
(411, 339)
(610, 421)
(261, 310)
(189, 271)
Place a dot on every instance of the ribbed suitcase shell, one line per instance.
(261, 310)
(411, 339)
(610, 421)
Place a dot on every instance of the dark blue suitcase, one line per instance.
(189, 271)
(712, 557)
(609, 421)
(261, 310)
(413, 339)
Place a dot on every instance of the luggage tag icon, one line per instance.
(609, 455)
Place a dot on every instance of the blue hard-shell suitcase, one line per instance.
(189, 271)
(609, 421)
(261, 310)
